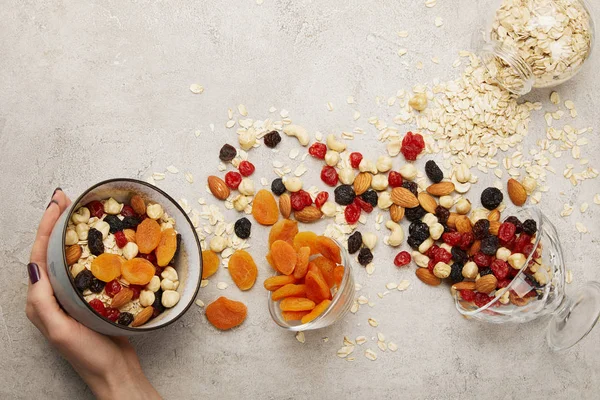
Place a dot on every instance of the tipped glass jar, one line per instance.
(537, 43)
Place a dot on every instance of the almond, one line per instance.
(404, 198)
(494, 215)
(494, 227)
(427, 202)
(486, 284)
(218, 187)
(427, 277)
(518, 301)
(72, 253)
(463, 224)
(142, 317)
(464, 285)
(123, 297)
(362, 182)
(475, 247)
(516, 192)
(129, 235)
(308, 214)
(441, 189)
(452, 220)
(285, 205)
(396, 212)
(138, 204)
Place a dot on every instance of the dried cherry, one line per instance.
(516, 222)
(113, 314)
(318, 150)
(246, 168)
(352, 213)
(112, 288)
(403, 258)
(500, 269)
(412, 145)
(300, 200)
(366, 207)
(127, 211)
(467, 295)
(98, 306)
(452, 238)
(329, 175)
(395, 179)
(96, 208)
(233, 179)
(506, 232)
(321, 199)
(482, 260)
(120, 239)
(355, 159)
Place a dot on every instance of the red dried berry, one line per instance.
(412, 145)
(403, 258)
(352, 213)
(482, 260)
(355, 159)
(520, 243)
(136, 289)
(442, 255)
(96, 208)
(112, 288)
(500, 269)
(467, 295)
(321, 199)
(504, 282)
(158, 270)
(506, 231)
(527, 249)
(431, 252)
(300, 199)
(127, 211)
(481, 299)
(452, 238)
(431, 265)
(246, 168)
(98, 306)
(317, 150)
(366, 207)
(466, 240)
(329, 175)
(233, 179)
(395, 179)
(150, 257)
(120, 239)
(112, 314)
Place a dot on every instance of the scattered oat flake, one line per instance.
(243, 110)
(402, 51)
(350, 100)
(392, 346)
(272, 109)
(569, 276)
(345, 351)
(403, 34)
(382, 346)
(199, 303)
(361, 340)
(300, 170)
(189, 177)
(430, 3)
(370, 354)
(403, 285)
(222, 285)
(294, 153)
(581, 228)
(196, 88)
(259, 2)
(583, 208)
(373, 322)
(158, 176)
(204, 283)
(419, 65)
(172, 169)
(356, 115)
(329, 106)
(300, 337)
(230, 124)
(439, 21)
(391, 285)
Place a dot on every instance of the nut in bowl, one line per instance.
(124, 258)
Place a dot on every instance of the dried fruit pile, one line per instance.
(121, 258)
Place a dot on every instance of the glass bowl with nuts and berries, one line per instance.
(124, 258)
(522, 277)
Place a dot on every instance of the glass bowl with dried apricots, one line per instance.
(314, 287)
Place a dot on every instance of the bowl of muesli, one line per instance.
(124, 258)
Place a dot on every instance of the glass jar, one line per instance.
(537, 43)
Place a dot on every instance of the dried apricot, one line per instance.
(289, 290)
(327, 268)
(317, 289)
(283, 256)
(328, 248)
(284, 230)
(275, 282)
(338, 275)
(210, 263)
(226, 314)
(147, 235)
(166, 247)
(242, 269)
(264, 208)
(318, 310)
(269, 258)
(107, 266)
(302, 262)
(296, 304)
(293, 315)
(309, 239)
(137, 271)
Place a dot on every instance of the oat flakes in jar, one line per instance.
(537, 43)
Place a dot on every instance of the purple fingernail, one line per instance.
(34, 272)
(55, 190)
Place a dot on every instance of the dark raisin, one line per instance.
(97, 285)
(83, 280)
(415, 213)
(419, 229)
(125, 318)
(130, 222)
(456, 272)
(516, 222)
(354, 242)
(344, 195)
(272, 139)
(365, 256)
(371, 197)
(489, 245)
(242, 228)
(114, 222)
(95, 242)
(434, 173)
(459, 255)
(411, 186)
(414, 242)
(442, 214)
(529, 227)
(485, 271)
(227, 153)
(481, 229)
(178, 238)
(491, 198)
(157, 305)
(277, 187)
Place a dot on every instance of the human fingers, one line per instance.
(56, 206)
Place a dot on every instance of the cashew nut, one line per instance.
(367, 165)
(420, 259)
(477, 214)
(154, 211)
(429, 219)
(334, 144)
(426, 245)
(81, 215)
(369, 240)
(460, 187)
(103, 227)
(82, 230)
(111, 206)
(332, 157)
(298, 132)
(462, 173)
(347, 176)
(167, 284)
(246, 187)
(397, 236)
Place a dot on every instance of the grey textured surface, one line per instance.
(97, 89)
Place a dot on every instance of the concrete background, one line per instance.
(98, 89)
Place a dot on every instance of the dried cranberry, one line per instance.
(300, 199)
(527, 249)
(246, 168)
(467, 240)
(120, 239)
(136, 289)
(227, 153)
(520, 243)
(352, 213)
(467, 295)
(500, 269)
(394, 179)
(452, 238)
(366, 207)
(96, 208)
(150, 257)
(158, 271)
(98, 306)
(506, 232)
(355, 159)
(431, 251)
(481, 299)
(112, 288)
(317, 150)
(321, 199)
(127, 211)
(412, 146)
(442, 214)
(516, 222)
(112, 314)
(482, 260)
(502, 283)
(431, 265)
(233, 179)
(329, 175)
(510, 244)
(442, 255)
(403, 258)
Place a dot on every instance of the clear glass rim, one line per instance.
(493, 49)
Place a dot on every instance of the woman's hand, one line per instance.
(109, 365)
